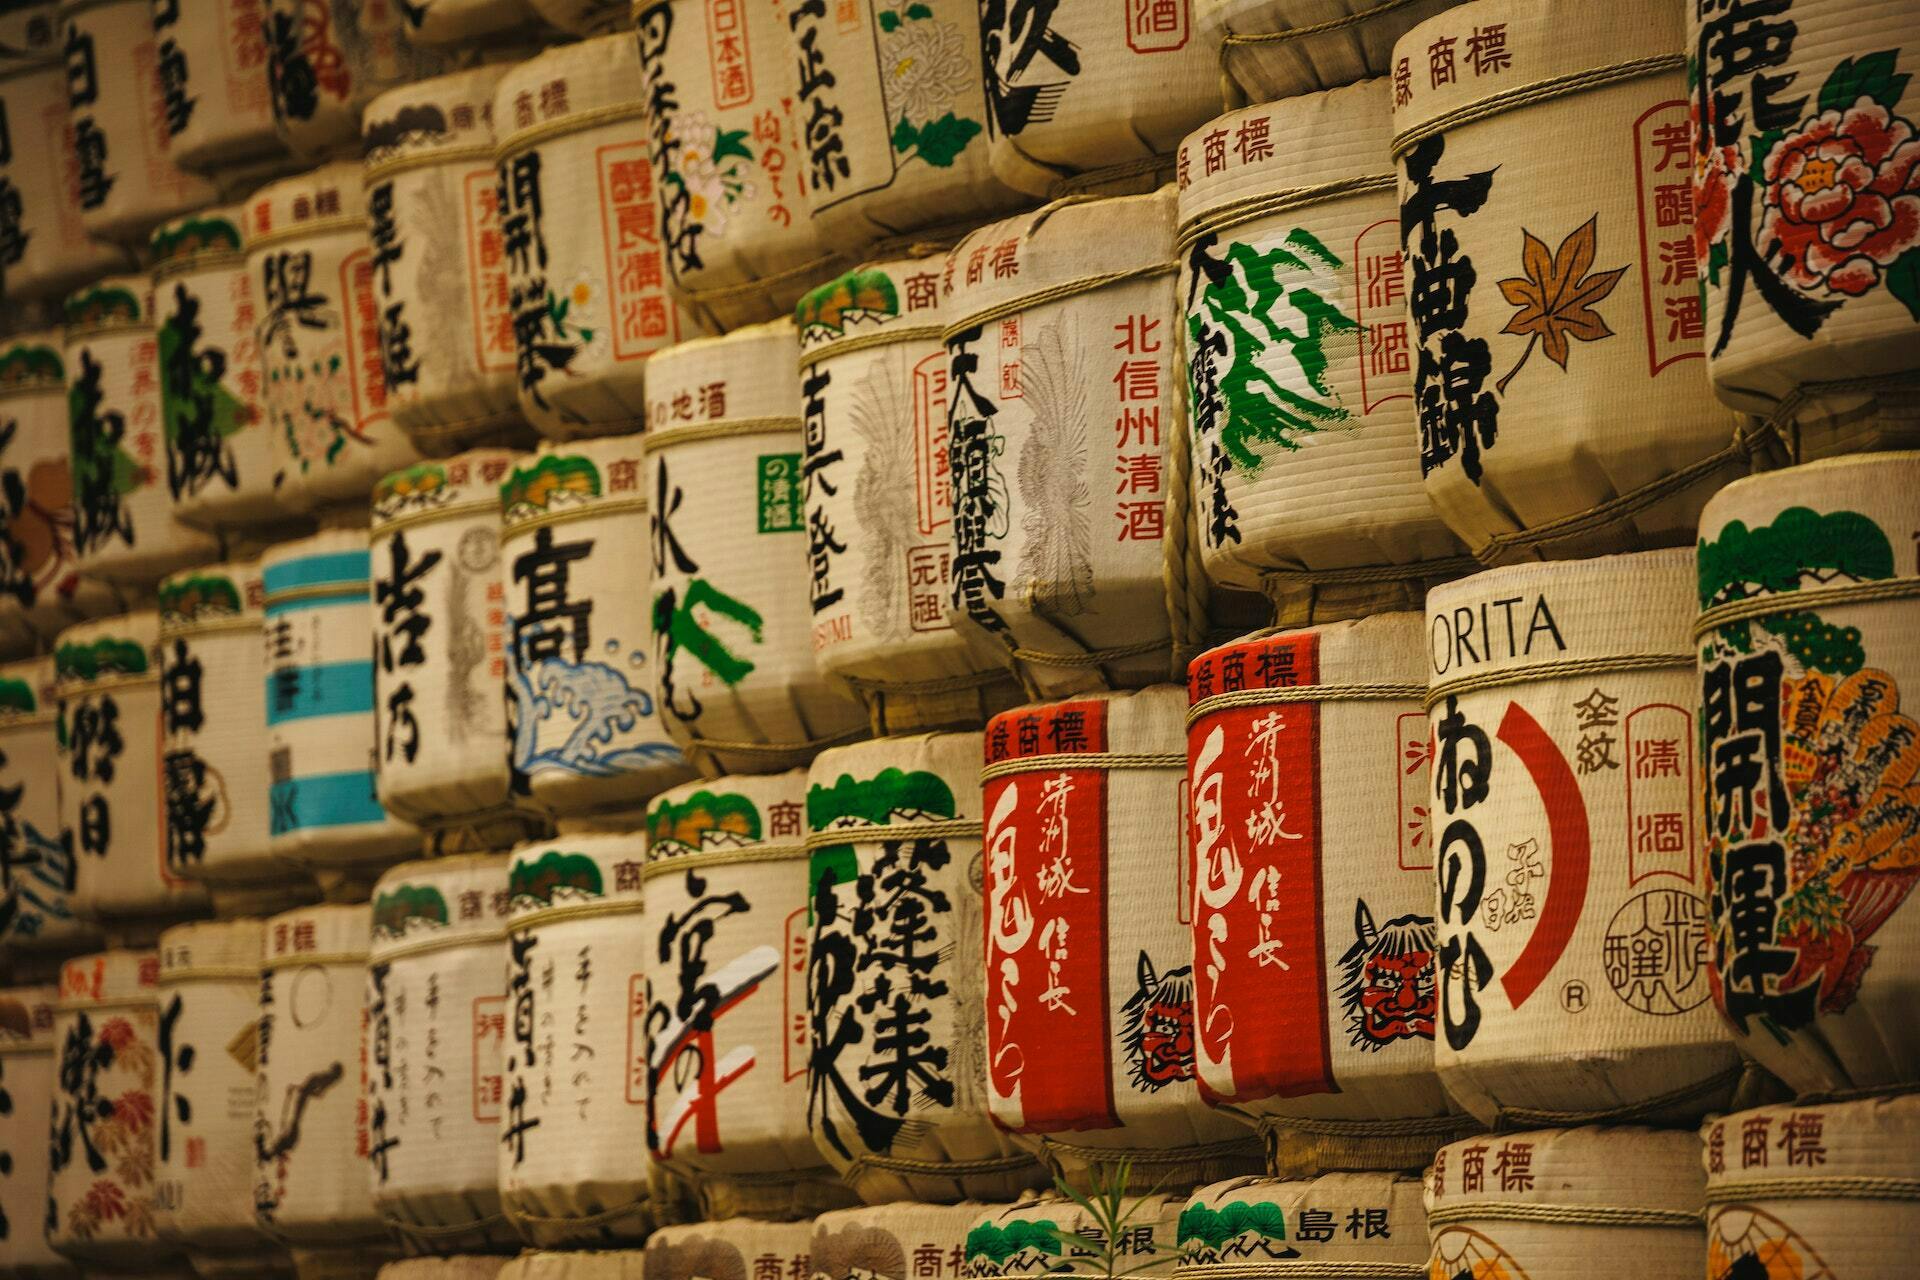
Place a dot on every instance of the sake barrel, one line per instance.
(730, 1249)
(433, 216)
(327, 59)
(607, 1264)
(112, 700)
(214, 94)
(1805, 210)
(575, 1161)
(1081, 101)
(220, 465)
(1305, 473)
(1367, 1224)
(319, 333)
(586, 285)
(456, 1267)
(311, 1136)
(1539, 287)
(457, 21)
(209, 1047)
(1808, 773)
(894, 1241)
(40, 869)
(118, 103)
(897, 1069)
(363, 1263)
(124, 526)
(27, 1074)
(1052, 1235)
(893, 108)
(440, 647)
(1816, 1190)
(39, 566)
(725, 911)
(729, 168)
(1271, 50)
(1090, 1045)
(110, 1093)
(585, 734)
(583, 17)
(1531, 1204)
(44, 248)
(1573, 963)
(436, 1022)
(1060, 336)
(734, 670)
(873, 381)
(322, 733)
(1314, 988)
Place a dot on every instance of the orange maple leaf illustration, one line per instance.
(1556, 296)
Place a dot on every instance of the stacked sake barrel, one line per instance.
(1336, 1224)
(327, 60)
(896, 1241)
(729, 1247)
(438, 22)
(218, 104)
(1277, 49)
(1050, 1234)
(43, 873)
(28, 1071)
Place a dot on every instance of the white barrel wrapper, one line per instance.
(873, 384)
(579, 224)
(215, 98)
(1306, 471)
(615, 1264)
(1528, 1205)
(327, 59)
(457, 21)
(897, 1068)
(730, 1249)
(1550, 283)
(1089, 1003)
(1809, 764)
(457, 1267)
(1367, 1224)
(585, 733)
(112, 702)
(896, 1241)
(1573, 926)
(1032, 1237)
(125, 527)
(43, 872)
(28, 1069)
(436, 1024)
(734, 671)
(1272, 50)
(724, 923)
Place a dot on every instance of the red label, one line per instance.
(1660, 837)
(1380, 310)
(727, 54)
(1253, 812)
(1673, 307)
(493, 340)
(640, 317)
(362, 324)
(1156, 26)
(489, 1034)
(1048, 1064)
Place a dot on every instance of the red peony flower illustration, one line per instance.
(1842, 199)
(1715, 171)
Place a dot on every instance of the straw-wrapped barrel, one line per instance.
(28, 1069)
(895, 1241)
(612, 1264)
(1339, 1224)
(327, 59)
(584, 17)
(36, 908)
(1050, 1234)
(730, 1249)
(1271, 50)
(213, 81)
(461, 21)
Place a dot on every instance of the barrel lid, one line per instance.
(586, 84)
(751, 369)
(125, 648)
(331, 558)
(589, 870)
(1831, 494)
(879, 1240)
(439, 901)
(27, 690)
(447, 113)
(33, 363)
(116, 302)
(210, 236)
(26, 1018)
(1381, 648)
(1801, 1150)
(109, 978)
(857, 791)
(330, 200)
(730, 1247)
(727, 814)
(1617, 1167)
(464, 484)
(214, 595)
(213, 948)
(1254, 1220)
(329, 933)
(1029, 1236)
(1146, 721)
(577, 476)
(900, 296)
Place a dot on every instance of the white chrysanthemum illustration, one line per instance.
(712, 163)
(929, 70)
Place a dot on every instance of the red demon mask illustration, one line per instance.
(1388, 980)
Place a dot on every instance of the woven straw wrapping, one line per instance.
(107, 675)
(1363, 1224)
(1562, 399)
(215, 98)
(109, 1097)
(215, 778)
(1306, 470)
(1564, 829)
(220, 466)
(897, 1075)
(1547, 1203)
(1272, 50)
(1811, 769)
(730, 1249)
(436, 1028)
(1026, 1238)
(873, 383)
(322, 732)
(583, 17)
(44, 249)
(433, 205)
(575, 1163)
(1060, 339)
(1089, 1003)
(457, 1267)
(895, 1241)
(327, 59)
(327, 401)
(363, 1262)
(725, 929)
(124, 525)
(1312, 894)
(629, 1264)
(1096, 95)
(729, 160)
(586, 279)
(209, 1020)
(311, 1184)
(36, 905)
(734, 671)
(1806, 217)
(440, 641)
(457, 21)
(893, 108)
(128, 180)
(28, 1068)
(1819, 1190)
(585, 731)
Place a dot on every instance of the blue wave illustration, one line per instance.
(590, 703)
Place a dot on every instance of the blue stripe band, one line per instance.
(330, 689)
(336, 568)
(325, 800)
